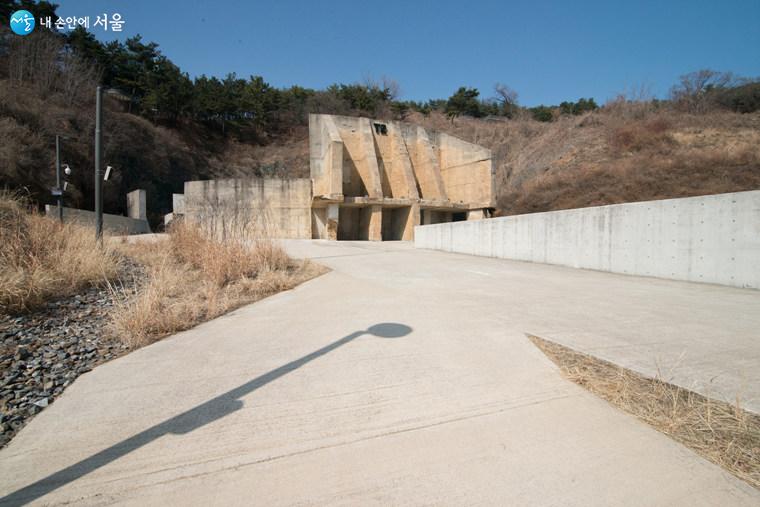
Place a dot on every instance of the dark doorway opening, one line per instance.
(395, 221)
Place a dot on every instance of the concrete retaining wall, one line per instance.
(114, 224)
(271, 207)
(713, 239)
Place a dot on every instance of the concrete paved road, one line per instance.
(305, 398)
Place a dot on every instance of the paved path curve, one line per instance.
(401, 377)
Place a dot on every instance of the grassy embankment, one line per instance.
(190, 277)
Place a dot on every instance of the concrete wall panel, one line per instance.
(466, 170)
(137, 204)
(275, 207)
(712, 239)
(325, 156)
(113, 224)
(427, 170)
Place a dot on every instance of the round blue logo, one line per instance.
(22, 22)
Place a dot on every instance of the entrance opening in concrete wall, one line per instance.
(431, 216)
(355, 224)
(395, 222)
(459, 217)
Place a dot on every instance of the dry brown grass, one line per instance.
(636, 136)
(723, 433)
(193, 276)
(626, 152)
(225, 261)
(42, 259)
(712, 170)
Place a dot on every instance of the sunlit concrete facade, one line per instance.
(375, 180)
(370, 180)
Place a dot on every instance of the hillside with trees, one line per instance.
(163, 127)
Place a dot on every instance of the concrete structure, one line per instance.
(178, 204)
(377, 179)
(178, 209)
(273, 207)
(714, 238)
(137, 205)
(113, 224)
(457, 409)
(370, 180)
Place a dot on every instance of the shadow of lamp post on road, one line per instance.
(205, 413)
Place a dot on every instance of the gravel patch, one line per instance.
(43, 352)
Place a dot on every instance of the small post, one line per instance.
(98, 174)
(58, 176)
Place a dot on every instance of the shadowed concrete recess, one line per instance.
(370, 180)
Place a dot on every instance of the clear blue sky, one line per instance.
(549, 51)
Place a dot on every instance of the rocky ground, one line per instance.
(43, 352)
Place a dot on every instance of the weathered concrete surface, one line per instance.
(713, 238)
(137, 204)
(325, 156)
(178, 204)
(286, 401)
(363, 163)
(113, 224)
(275, 207)
(466, 168)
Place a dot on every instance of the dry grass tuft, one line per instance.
(723, 433)
(194, 276)
(42, 259)
(637, 136)
(224, 261)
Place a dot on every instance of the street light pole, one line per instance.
(58, 176)
(98, 175)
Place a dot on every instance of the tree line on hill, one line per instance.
(160, 91)
(156, 88)
(47, 81)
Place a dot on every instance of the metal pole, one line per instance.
(98, 175)
(58, 176)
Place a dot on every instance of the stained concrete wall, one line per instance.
(464, 168)
(272, 207)
(424, 157)
(137, 205)
(113, 224)
(714, 239)
(361, 174)
(400, 161)
(394, 164)
(178, 204)
(404, 169)
(326, 156)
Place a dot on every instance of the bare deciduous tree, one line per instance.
(42, 61)
(392, 87)
(505, 94)
(692, 92)
(507, 97)
(387, 84)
